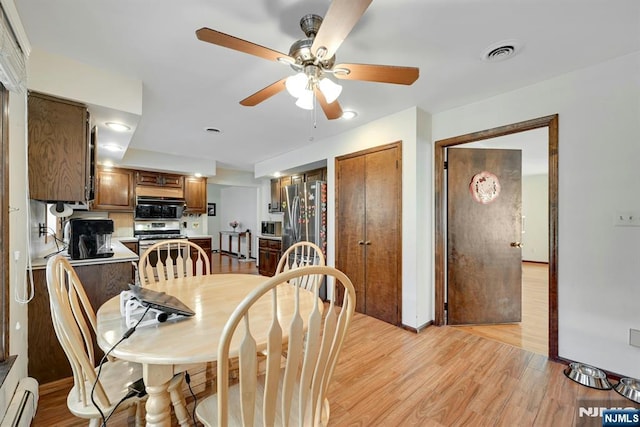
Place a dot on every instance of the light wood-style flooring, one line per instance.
(442, 376)
(533, 332)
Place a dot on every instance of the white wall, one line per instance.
(213, 222)
(239, 204)
(599, 264)
(412, 127)
(66, 78)
(18, 238)
(535, 200)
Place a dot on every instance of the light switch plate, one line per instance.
(634, 337)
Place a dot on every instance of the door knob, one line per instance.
(516, 244)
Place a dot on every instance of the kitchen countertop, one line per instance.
(260, 236)
(121, 254)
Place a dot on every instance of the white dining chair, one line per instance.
(74, 323)
(301, 254)
(295, 394)
(170, 259)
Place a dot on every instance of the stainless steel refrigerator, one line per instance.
(305, 214)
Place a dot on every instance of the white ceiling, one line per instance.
(189, 85)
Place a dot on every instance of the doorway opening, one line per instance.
(551, 124)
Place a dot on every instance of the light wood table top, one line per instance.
(160, 348)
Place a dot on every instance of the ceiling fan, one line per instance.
(314, 59)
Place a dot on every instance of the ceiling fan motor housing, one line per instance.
(300, 50)
(310, 24)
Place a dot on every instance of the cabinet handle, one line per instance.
(360, 242)
(367, 243)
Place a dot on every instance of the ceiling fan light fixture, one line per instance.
(305, 100)
(296, 84)
(329, 89)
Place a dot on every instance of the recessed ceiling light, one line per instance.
(277, 175)
(348, 115)
(197, 175)
(114, 148)
(502, 50)
(212, 130)
(120, 127)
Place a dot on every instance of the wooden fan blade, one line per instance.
(333, 110)
(379, 73)
(265, 93)
(340, 19)
(231, 42)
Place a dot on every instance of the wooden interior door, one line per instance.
(368, 231)
(350, 224)
(484, 216)
(382, 247)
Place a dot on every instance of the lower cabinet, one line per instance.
(133, 247)
(269, 252)
(205, 244)
(47, 361)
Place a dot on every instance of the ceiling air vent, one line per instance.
(501, 50)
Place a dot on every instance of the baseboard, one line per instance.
(419, 328)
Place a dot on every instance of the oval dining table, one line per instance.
(164, 348)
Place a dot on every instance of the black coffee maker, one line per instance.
(90, 238)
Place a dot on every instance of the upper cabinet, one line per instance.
(157, 184)
(60, 156)
(195, 195)
(278, 186)
(159, 179)
(316, 175)
(114, 190)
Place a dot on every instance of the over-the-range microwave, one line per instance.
(271, 228)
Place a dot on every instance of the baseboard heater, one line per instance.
(23, 405)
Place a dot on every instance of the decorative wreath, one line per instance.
(484, 187)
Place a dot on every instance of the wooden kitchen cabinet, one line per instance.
(47, 360)
(316, 175)
(60, 155)
(274, 206)
(157, 179)
(269, 253)
(195, 195)
(205, 244)
(114, 190)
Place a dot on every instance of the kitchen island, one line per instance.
(102, 278)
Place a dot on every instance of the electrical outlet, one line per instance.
(42, 229)
(626, 219)
(195, 225)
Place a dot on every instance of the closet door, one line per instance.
(350, 221)
(382, 235)
(368, 232)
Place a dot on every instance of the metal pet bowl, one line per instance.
(629, 388)
(588, 376)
